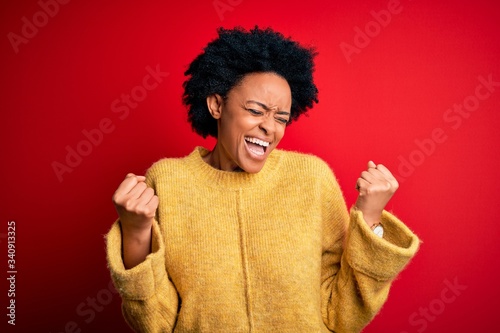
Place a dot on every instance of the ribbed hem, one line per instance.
(205, 173)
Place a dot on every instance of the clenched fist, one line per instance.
(376, 186)
(136, 205)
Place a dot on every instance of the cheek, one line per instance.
(280, 133)
(243, 125)
(228, 127)
(231, 134)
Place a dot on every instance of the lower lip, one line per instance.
(255, 155)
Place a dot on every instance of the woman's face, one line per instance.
(251, 121)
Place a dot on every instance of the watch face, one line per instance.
(379, 231)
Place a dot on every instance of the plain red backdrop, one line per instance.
(384, 91)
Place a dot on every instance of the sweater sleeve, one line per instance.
(149, 299)
(358, 267)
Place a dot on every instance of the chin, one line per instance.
(252, 163)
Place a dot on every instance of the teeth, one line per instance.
(257, 141)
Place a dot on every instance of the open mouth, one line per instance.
(257, 146)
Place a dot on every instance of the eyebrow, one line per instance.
(265, 107)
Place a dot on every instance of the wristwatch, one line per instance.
(378, 230)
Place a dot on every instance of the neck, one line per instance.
(219, 159)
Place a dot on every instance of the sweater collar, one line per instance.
(231, 180)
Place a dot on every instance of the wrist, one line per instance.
(137, 234)
(371, 218)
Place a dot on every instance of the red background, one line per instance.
(394, 92)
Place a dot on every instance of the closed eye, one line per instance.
(255, 112)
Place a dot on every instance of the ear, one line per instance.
(214, 104)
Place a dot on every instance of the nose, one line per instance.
(268, 124)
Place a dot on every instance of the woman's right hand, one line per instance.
(136, 205)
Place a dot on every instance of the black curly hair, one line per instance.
(235, 53)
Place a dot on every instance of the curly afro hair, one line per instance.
(235, 53)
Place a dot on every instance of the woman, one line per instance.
(245, 237)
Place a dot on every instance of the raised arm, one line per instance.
(358, 266)
(136, 259)
(136, 204)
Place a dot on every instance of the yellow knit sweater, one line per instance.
(274, 251)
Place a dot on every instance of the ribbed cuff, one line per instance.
(139, 282)
(380, 258)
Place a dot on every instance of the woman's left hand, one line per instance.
(376, 186)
